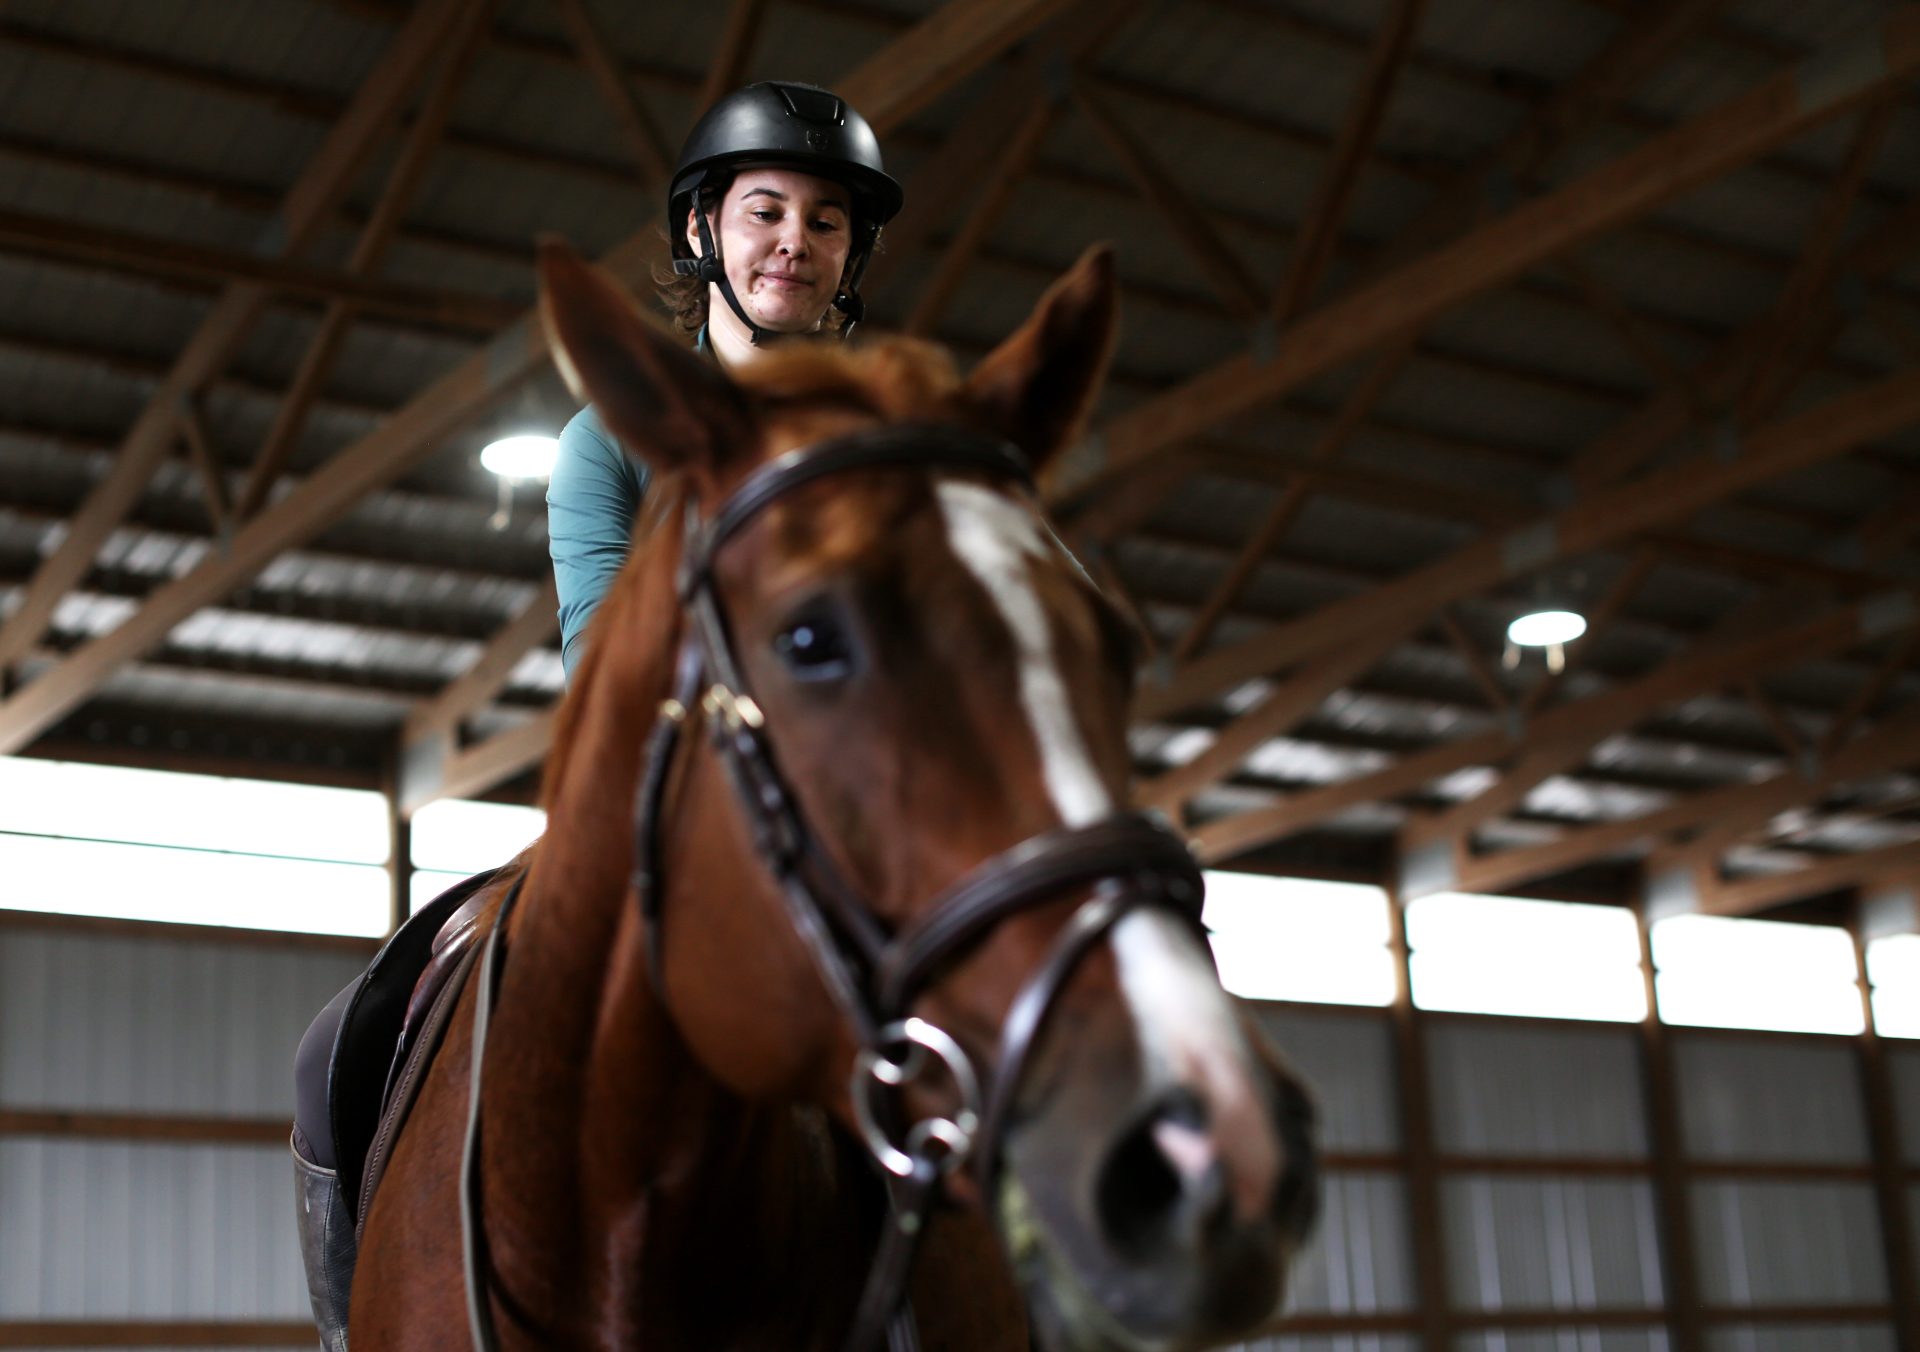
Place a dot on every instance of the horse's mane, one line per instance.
(894, 378)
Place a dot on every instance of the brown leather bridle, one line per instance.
(874, 977)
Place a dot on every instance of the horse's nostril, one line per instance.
(1163, 1184)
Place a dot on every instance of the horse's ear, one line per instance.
(662, 401)
(1038, 386)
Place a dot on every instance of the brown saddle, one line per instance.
(391, 1027)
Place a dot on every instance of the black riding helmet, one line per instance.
(781, 124)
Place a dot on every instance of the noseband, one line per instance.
(876, 977)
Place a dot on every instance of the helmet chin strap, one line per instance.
(711, 268)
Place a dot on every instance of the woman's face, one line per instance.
(784, 236)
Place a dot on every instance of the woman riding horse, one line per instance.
(839, 884)
(774, 208)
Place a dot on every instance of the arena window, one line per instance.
(1719, 972)
(80, 839)
(1509, 955)
(1893, 969)
(456, 838)
(1300, 939)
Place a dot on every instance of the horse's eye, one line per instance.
(814, 649)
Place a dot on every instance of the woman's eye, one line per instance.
(814, 650)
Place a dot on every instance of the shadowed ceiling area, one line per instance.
(1433, 311)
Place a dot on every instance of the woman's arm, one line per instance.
(592, 499)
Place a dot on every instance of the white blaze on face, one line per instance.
(1185, 1024)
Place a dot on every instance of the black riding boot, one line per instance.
(328, 1247)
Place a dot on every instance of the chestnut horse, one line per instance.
(906, 797)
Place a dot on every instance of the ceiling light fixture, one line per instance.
(526, 456)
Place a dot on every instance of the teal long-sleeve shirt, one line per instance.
(593, 497)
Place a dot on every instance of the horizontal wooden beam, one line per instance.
(531, 626)
(157, 1333)
(1739, 130)
(1754, 894)
(1584, 720)
(435, 767)
(131, 1126)
(930, 56)
(108, 927)
(149, 255)
(1821, 433)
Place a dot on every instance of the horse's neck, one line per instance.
(626, 1184)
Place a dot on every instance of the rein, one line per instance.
(875, 978)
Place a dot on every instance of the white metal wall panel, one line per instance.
(1570, 1339)
(1770, 1243)
(1536, 1090)
(1803, 1338)
(1771, 1099)
(1361, 1257)
(196, 1027)
(1551, 1243)
(102, 1230)
(1903, 1064)
(1349, 1061)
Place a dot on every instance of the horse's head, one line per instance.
(923, 729)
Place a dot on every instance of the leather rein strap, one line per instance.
(1129, 860)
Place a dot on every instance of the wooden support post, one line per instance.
(1425, 1225)
(1890, 1169)
(1666, 1142)
(400, 855)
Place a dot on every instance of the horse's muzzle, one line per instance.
(1156, 1243)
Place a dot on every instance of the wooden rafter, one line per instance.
(1212, 255)
(403, 180)
(1580, 723)
(1712, 895)
(1847, 721)
(147, 256)
(534, 624)
(1002, 182)
(606, 71)
(204, 355)
(1766, 377)
(901, 75)
(1498, 697)
(206, 462)
(728, 70)
(1314, 248)
(1814, 435)
(429, 772)
(1531, 234)
(1347, 423)
(1729, 813)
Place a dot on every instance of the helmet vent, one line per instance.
(814, 105)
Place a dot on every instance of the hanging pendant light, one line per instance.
(514, 459)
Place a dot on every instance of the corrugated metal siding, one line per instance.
(1570, 1339)
(1526, 1243)
(1361, 1258)
(1803, 1338)
(1763, 1244)
(100, 1230)
(1771, 1100)
(1536, 1091)
(1903, 1063)
(1338, 1342)
(137, 1025)
(1348, 1061)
